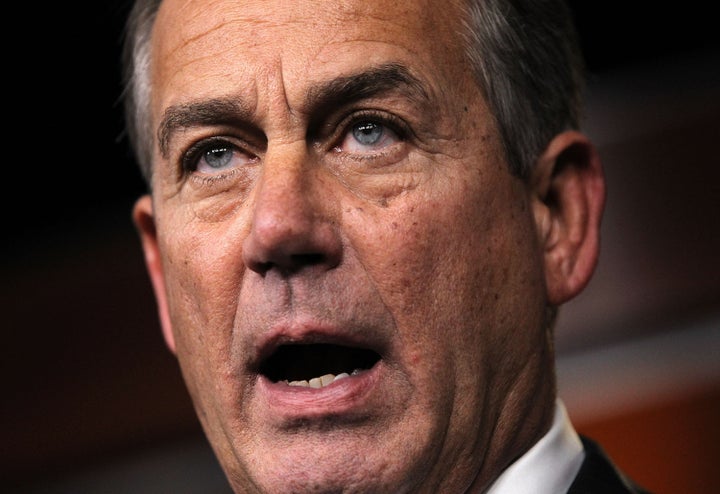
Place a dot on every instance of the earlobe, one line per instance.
(144, 220)
(568, 189)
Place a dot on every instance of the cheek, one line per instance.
(420, 251)
(455, 273)
(202, 283)
(202, 266)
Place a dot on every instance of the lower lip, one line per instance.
(348, 396)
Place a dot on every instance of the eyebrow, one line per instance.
(366, 84)
(340, 90)
(216, 111)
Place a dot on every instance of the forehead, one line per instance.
(260, 19)
(213, 41)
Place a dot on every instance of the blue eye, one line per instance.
(214, 156)
(368, 133)
(218, 158)
(366, 137)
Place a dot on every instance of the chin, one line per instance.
(328, 459)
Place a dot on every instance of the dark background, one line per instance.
(88, 383)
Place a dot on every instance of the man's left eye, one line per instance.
(367, 135)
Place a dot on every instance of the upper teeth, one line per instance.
(322, 381)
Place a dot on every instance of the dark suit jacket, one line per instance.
(598, 474)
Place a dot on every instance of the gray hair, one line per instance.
(136, 82)
(525, 56)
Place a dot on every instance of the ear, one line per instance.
(568, 196)
(144, 220)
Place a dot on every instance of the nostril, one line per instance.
(307, 259)
(318, 246)
(292, 264)
(261, 267)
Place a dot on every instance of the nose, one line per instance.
(291, 226)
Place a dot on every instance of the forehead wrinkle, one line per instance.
(367, 83)
(222, 27)
(216, 111)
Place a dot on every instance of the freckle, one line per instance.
(412, 209)
(383, 202)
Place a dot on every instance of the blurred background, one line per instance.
(93, 401)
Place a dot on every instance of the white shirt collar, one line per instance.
(550, 466)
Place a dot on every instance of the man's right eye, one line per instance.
(215, 157)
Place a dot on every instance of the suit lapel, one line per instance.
(598, 475)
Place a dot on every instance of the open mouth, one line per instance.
(316, 365)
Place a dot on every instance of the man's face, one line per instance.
(330, 197)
